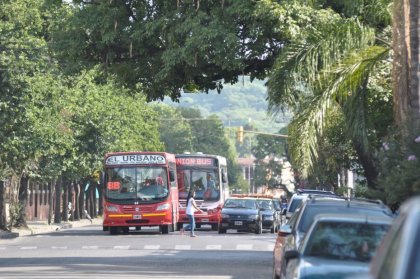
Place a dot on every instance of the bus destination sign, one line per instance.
(136, 159)
(195, 161)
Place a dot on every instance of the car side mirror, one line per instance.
(224, 177)
(285, 230)
(171, 175)
(291, 254)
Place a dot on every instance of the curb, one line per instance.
(40, 228)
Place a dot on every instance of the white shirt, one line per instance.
(190, 208)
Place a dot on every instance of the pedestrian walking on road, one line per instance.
(191, 209)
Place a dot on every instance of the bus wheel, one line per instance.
(179, 225)
(113, 230)
(164, 229)
(214, 227)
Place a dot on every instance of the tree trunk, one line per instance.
(3, 222)
(57, 208)
(414, 56)
(82, 199)
(406, 77)
(65, 213)
(369, 166)
(51, 188)
(77, 201)
(23, 200)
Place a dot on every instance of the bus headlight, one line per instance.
(164, 206)
(112, 208)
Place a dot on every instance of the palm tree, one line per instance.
(329, 71)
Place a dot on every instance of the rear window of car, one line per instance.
(309, 213)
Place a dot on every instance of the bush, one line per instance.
(399, 176)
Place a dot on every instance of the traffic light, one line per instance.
(240, 134)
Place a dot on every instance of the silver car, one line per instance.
(337, 245)
(398, 257)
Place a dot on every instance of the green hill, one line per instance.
(236, 105)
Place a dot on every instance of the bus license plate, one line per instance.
(238, 223)
(136, 217)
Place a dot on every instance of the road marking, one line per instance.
(182, 247)
(122, 247)
(90, 247)
(244, 247)
(28, 248)
(2, 248)
(59, 247)
(151, 247)
(213, 247)
(270, 247)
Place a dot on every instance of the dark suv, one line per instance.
(291, 234)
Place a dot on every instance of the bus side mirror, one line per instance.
(224, 177)
(171, 175)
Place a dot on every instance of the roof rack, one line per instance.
(376, 201)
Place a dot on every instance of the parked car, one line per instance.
(291, 234)
(271, 218)
(301, 196)
(241, 214)
(398, 256)
(337, 245)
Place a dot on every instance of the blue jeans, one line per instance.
(191, 225)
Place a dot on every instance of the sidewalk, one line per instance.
(39, 227)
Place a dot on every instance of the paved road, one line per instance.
(90, 253)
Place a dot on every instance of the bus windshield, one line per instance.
(205, 183)
(136, 183)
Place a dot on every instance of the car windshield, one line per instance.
(345, 240)
(310, 211)
(295, 204)
(240, 203)
(265, 204)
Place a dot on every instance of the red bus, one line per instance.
(207, 175)
(140, 190)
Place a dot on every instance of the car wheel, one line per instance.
(258, 230)
(221, 230)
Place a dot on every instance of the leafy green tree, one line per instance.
(168, 46)
(267, 151)
(175, 131)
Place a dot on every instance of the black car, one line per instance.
(270, 216)
(241, 214)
